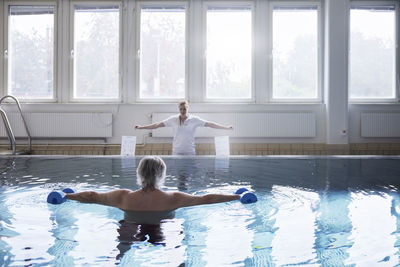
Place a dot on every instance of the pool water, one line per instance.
(318, 211)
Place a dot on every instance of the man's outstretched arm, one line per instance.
(113, 198)
(181, 199)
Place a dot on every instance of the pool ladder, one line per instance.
(9, 130)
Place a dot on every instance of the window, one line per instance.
(295, 52)
(162, 60)
(229, 52)
(372, 57)
(30, 52)
(95, 52)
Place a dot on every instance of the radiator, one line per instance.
(271, 124)
(380, 124)
(61, 125)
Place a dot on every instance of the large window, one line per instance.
(372, 56)
(162, 54)
(30, 52)
(229, 52)
(295, 52)
(95, 52)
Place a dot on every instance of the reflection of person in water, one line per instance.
(149, 204)
(184, 170)
(130, 232)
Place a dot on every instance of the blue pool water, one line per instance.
(321, 211)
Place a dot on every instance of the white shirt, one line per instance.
(183, 143)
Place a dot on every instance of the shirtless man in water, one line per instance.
(149, 198)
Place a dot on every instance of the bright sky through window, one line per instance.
(229, 53)
(372, 53)
(96, 43)
(295, 53)
(31, 52)
(162, 52)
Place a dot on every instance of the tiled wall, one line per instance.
(236, 149)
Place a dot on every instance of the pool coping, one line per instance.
(216, 157)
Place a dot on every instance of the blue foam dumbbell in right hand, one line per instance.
(246, 196)
(58, 197)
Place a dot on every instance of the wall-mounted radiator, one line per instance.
(380, 124)
(271, 124)
(61, 125)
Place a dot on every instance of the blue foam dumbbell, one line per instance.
(58, 197)
(68, 190)
(246, 196)
(241, 190)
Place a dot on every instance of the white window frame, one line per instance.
(227, 4)
(71, 52)
(55, 49)
(139, 6)
(295, 4)
(397, 61)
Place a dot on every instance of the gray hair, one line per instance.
(151, 172)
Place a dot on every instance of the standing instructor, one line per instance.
(184, 127)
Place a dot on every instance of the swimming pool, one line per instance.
(322, 211)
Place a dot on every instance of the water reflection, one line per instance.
(151, 244)
(184, 171)
(293, 241)
(130, 232)
(333, 224)
(373, 226)
(322, 211)
(63, 230)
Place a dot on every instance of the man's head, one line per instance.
(151, 172)
(183, 108)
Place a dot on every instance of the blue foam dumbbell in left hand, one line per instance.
(68, 190)
(241, 190)
(57, 197)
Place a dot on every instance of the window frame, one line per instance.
(139, 5)
(71, 49)
(6, 5)
(396, 98)
(319, 81)
(248, 4)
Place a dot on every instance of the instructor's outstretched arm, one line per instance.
(217, 126)
(151, 126)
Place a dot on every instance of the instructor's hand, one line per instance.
(138, 127)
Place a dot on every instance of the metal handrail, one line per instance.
(10, 133)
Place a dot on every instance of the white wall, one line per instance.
(333, 115)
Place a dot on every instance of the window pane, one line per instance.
(31, 52)
(295, 53)
(229, 46)
(162, 52)
(96, 52)
(372, 53)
